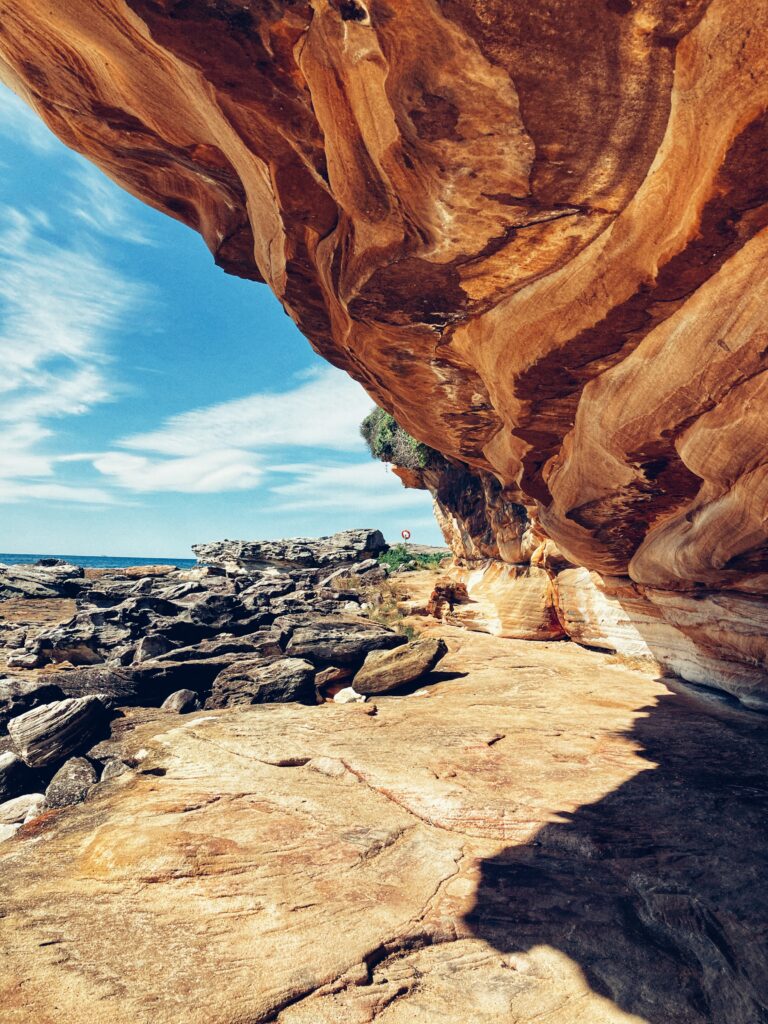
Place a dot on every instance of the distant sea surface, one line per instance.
(99, 561)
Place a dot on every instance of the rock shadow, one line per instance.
(658, 891)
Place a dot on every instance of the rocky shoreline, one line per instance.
(254, 623)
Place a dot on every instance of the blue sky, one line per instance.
(149, 401)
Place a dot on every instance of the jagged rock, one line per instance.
(265, 642)
(159, 679)
(45, 579)
(384, 671)
(182, 702)
(332, 679)
(114, 768)
(21, 808)
(54, 731)
(20, 695)
(268, 586)
(256, 681)
(71, 783)
(115, 686)
(24, 659)
(8, 831)
(151, 646)
(346, 547)
(15, 776)
(336, 640)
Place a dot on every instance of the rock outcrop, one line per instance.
(339, 550)
(534, 232)
(545, 837)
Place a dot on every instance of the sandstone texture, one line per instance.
(545, 836)
(52, 732)
(534, 232)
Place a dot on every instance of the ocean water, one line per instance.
(98, 561)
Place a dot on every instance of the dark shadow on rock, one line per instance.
(430, 679)
(658, 891)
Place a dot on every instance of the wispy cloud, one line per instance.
(323, 411)
(19, 123)
(206, 473)
(225, 447)
(58, 307)
(365, 486)
(103, 207)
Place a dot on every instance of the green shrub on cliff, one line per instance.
(388, 442)
(400, 555)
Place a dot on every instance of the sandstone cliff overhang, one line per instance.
(534, 232)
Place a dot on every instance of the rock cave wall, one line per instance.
(536, 233)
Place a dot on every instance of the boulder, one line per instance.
(20, 695)
(153, 645)
(54, 731)
(71, 783)
(48, 578)
(257, 681)
(384, 671)
(264, 642)
(15, 776)
(337, 640)
(182, 702)
(113, 768)
(115, 686)
(21, 808)
(159, 679)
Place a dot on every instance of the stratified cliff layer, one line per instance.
(535, 232)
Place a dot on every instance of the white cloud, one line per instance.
(206, 473)
(58, 306)
(21, 124)
(103, 207)
(365, 486)
(15, 491)
(224, 447)
(324, 411)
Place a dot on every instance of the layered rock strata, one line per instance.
(535, 233)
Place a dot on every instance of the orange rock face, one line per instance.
(534, 232)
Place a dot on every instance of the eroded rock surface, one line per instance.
(544, 836)
(536, 233)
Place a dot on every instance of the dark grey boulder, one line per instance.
(15, 776)
(47, 579)
(386, 671)
(181, 702)
(55, 731)
(336, 640)
(265, 643)
(159, 679)
(71, 783)
(114, 685)
(150, 646)
(20, 695)
(256, 681)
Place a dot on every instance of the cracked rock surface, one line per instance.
(542, 835)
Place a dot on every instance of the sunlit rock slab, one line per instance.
(537, 834)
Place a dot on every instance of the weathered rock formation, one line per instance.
(545, 837)
(534, 232)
